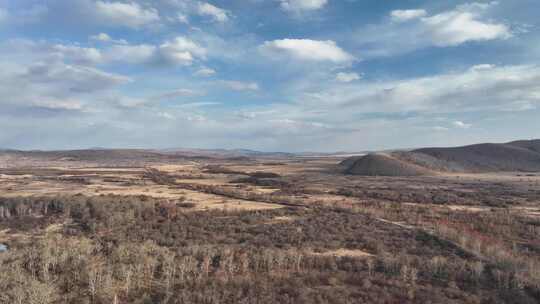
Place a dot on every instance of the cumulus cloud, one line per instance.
(90, 13)
(101, 37)
(459, 26)
(104, 37)
(55, 85)
(461, 125)
(197, 104)
(46, 51)
(205, 72)
(408, 30)
(440, 129)
(295, 125)
(177, 51)
(182, 18)
(165, 115)
(141, 53)
(78, 54)
(302, 5)
(240, 85)
(73, 78)
(216, 13)
(347, 77)
(405, 15)
(181, 51)
(315, 107)
(482, 67)
(307, 49)
(490, 88)
(129, 14)
(178, 93)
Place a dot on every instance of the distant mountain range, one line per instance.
(223, 152)
(97, 152)
(523, 155)
(103, 154)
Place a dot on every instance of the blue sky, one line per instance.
(271, 75)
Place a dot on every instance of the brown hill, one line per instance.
(349, 161)
(384, 165)
(533, 145)
(521, 155)
(515, 156)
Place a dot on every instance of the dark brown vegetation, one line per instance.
(265, 182)
(334, 238)
(143, 250)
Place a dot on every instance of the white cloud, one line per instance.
(457, 27)
(73, 77)
(181, 51)
(406, 15)
(150, 102)
(142, 53)
(196, 118)
(297, 125)
(78, 54)
(205, 72)
(178, 93)
(505, 88)
(182, 18)
(217, 14)
(314, 103)
(440, 129)
(465, 23)
(166, 115)
(34, 51)
(55, 85)
(241, 86)
(307, 49)
(178, 51)
(104, 37)
(126, 102)
(461, 125)
(198, 104)
(101, 37)
(347, 77)
(129, 14)
(482, 67)
(67, 105)
(302, 5)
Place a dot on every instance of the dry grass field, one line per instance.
(289, 230)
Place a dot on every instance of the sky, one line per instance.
(268, 75)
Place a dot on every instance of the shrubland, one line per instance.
(137, 249)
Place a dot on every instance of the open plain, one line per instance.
(144, 226)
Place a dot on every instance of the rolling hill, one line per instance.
(523, 156)
(378, 164)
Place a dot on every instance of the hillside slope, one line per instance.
(533, 145)
(515, 156)
(523, 155)
(384, 165)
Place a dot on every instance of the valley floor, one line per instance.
(284, 230)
